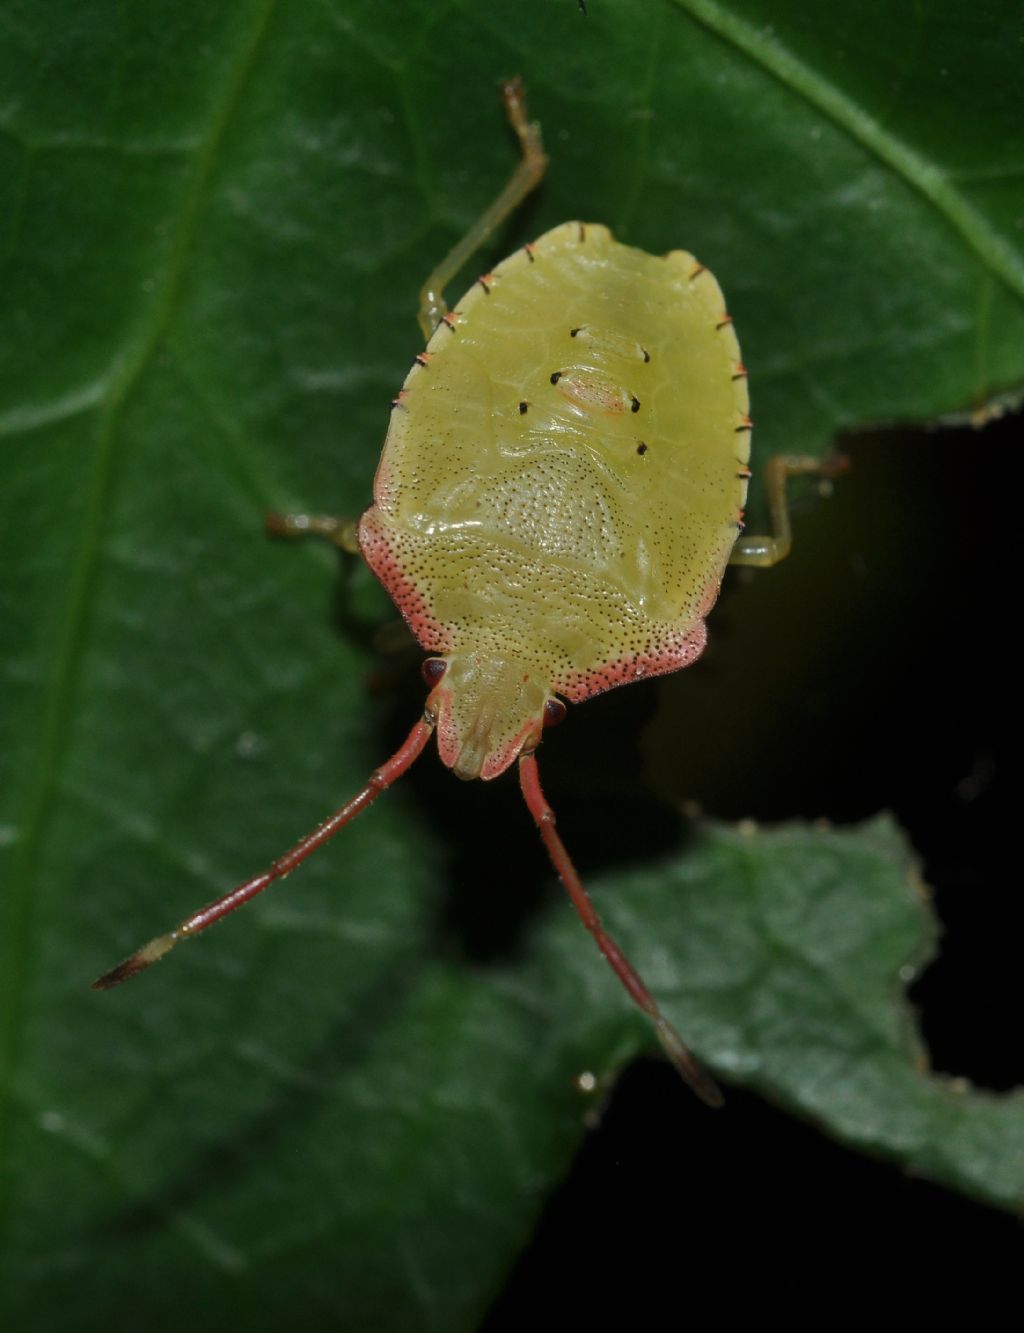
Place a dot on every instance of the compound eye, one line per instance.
(432, 670)
(554, 712)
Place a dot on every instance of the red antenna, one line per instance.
(382, 778)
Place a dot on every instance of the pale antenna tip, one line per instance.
(679, 1053)
(136, 962)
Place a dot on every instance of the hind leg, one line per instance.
(524, 179)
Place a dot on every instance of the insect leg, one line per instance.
(674, 1046)
(381, 779)
(342, 532)
(764, 551)
(526, 177)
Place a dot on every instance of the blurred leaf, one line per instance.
(217, 220)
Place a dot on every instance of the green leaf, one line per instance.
(798, 943)
(217, 218)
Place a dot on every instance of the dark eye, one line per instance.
(432, 670)
(554, 712)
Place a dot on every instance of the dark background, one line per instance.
(747, 1211)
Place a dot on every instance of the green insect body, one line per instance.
(561, 484)
(560, 490)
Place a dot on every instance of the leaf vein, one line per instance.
(57, 708)
(936, 186)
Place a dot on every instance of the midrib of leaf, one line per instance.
(996, 254)
(16, 944)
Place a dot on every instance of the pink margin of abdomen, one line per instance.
(430, 633)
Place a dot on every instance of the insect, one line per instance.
(560, 490)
